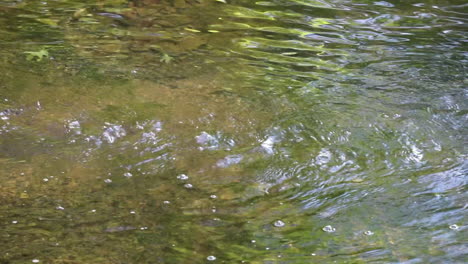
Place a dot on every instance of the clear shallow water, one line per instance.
(263, 132)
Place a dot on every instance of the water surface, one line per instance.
(283, 131)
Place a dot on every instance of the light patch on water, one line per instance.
(323, 157)
(416, 154)
(207, 140)
(128, 175)
(268, 144)
(445, 181)
(73, 126)
(368, 233)
(384, 3)
(113, 132)
(94, 139)
(279, 223)
(329, 229)
(107, 180)
(59, 208)
(229, 161)
(412, 153)
(3, 116)
(182, 177)
(149, 137)
(35, 261)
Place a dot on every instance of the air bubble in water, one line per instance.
(279, 223)
(453, 227)
(329, 229)
(211, 258)
(182, 177)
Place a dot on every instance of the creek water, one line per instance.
(277, 131)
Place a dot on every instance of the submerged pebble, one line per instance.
(329, 229)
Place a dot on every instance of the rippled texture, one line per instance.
(287, 131)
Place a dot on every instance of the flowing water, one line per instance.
(236, 131)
